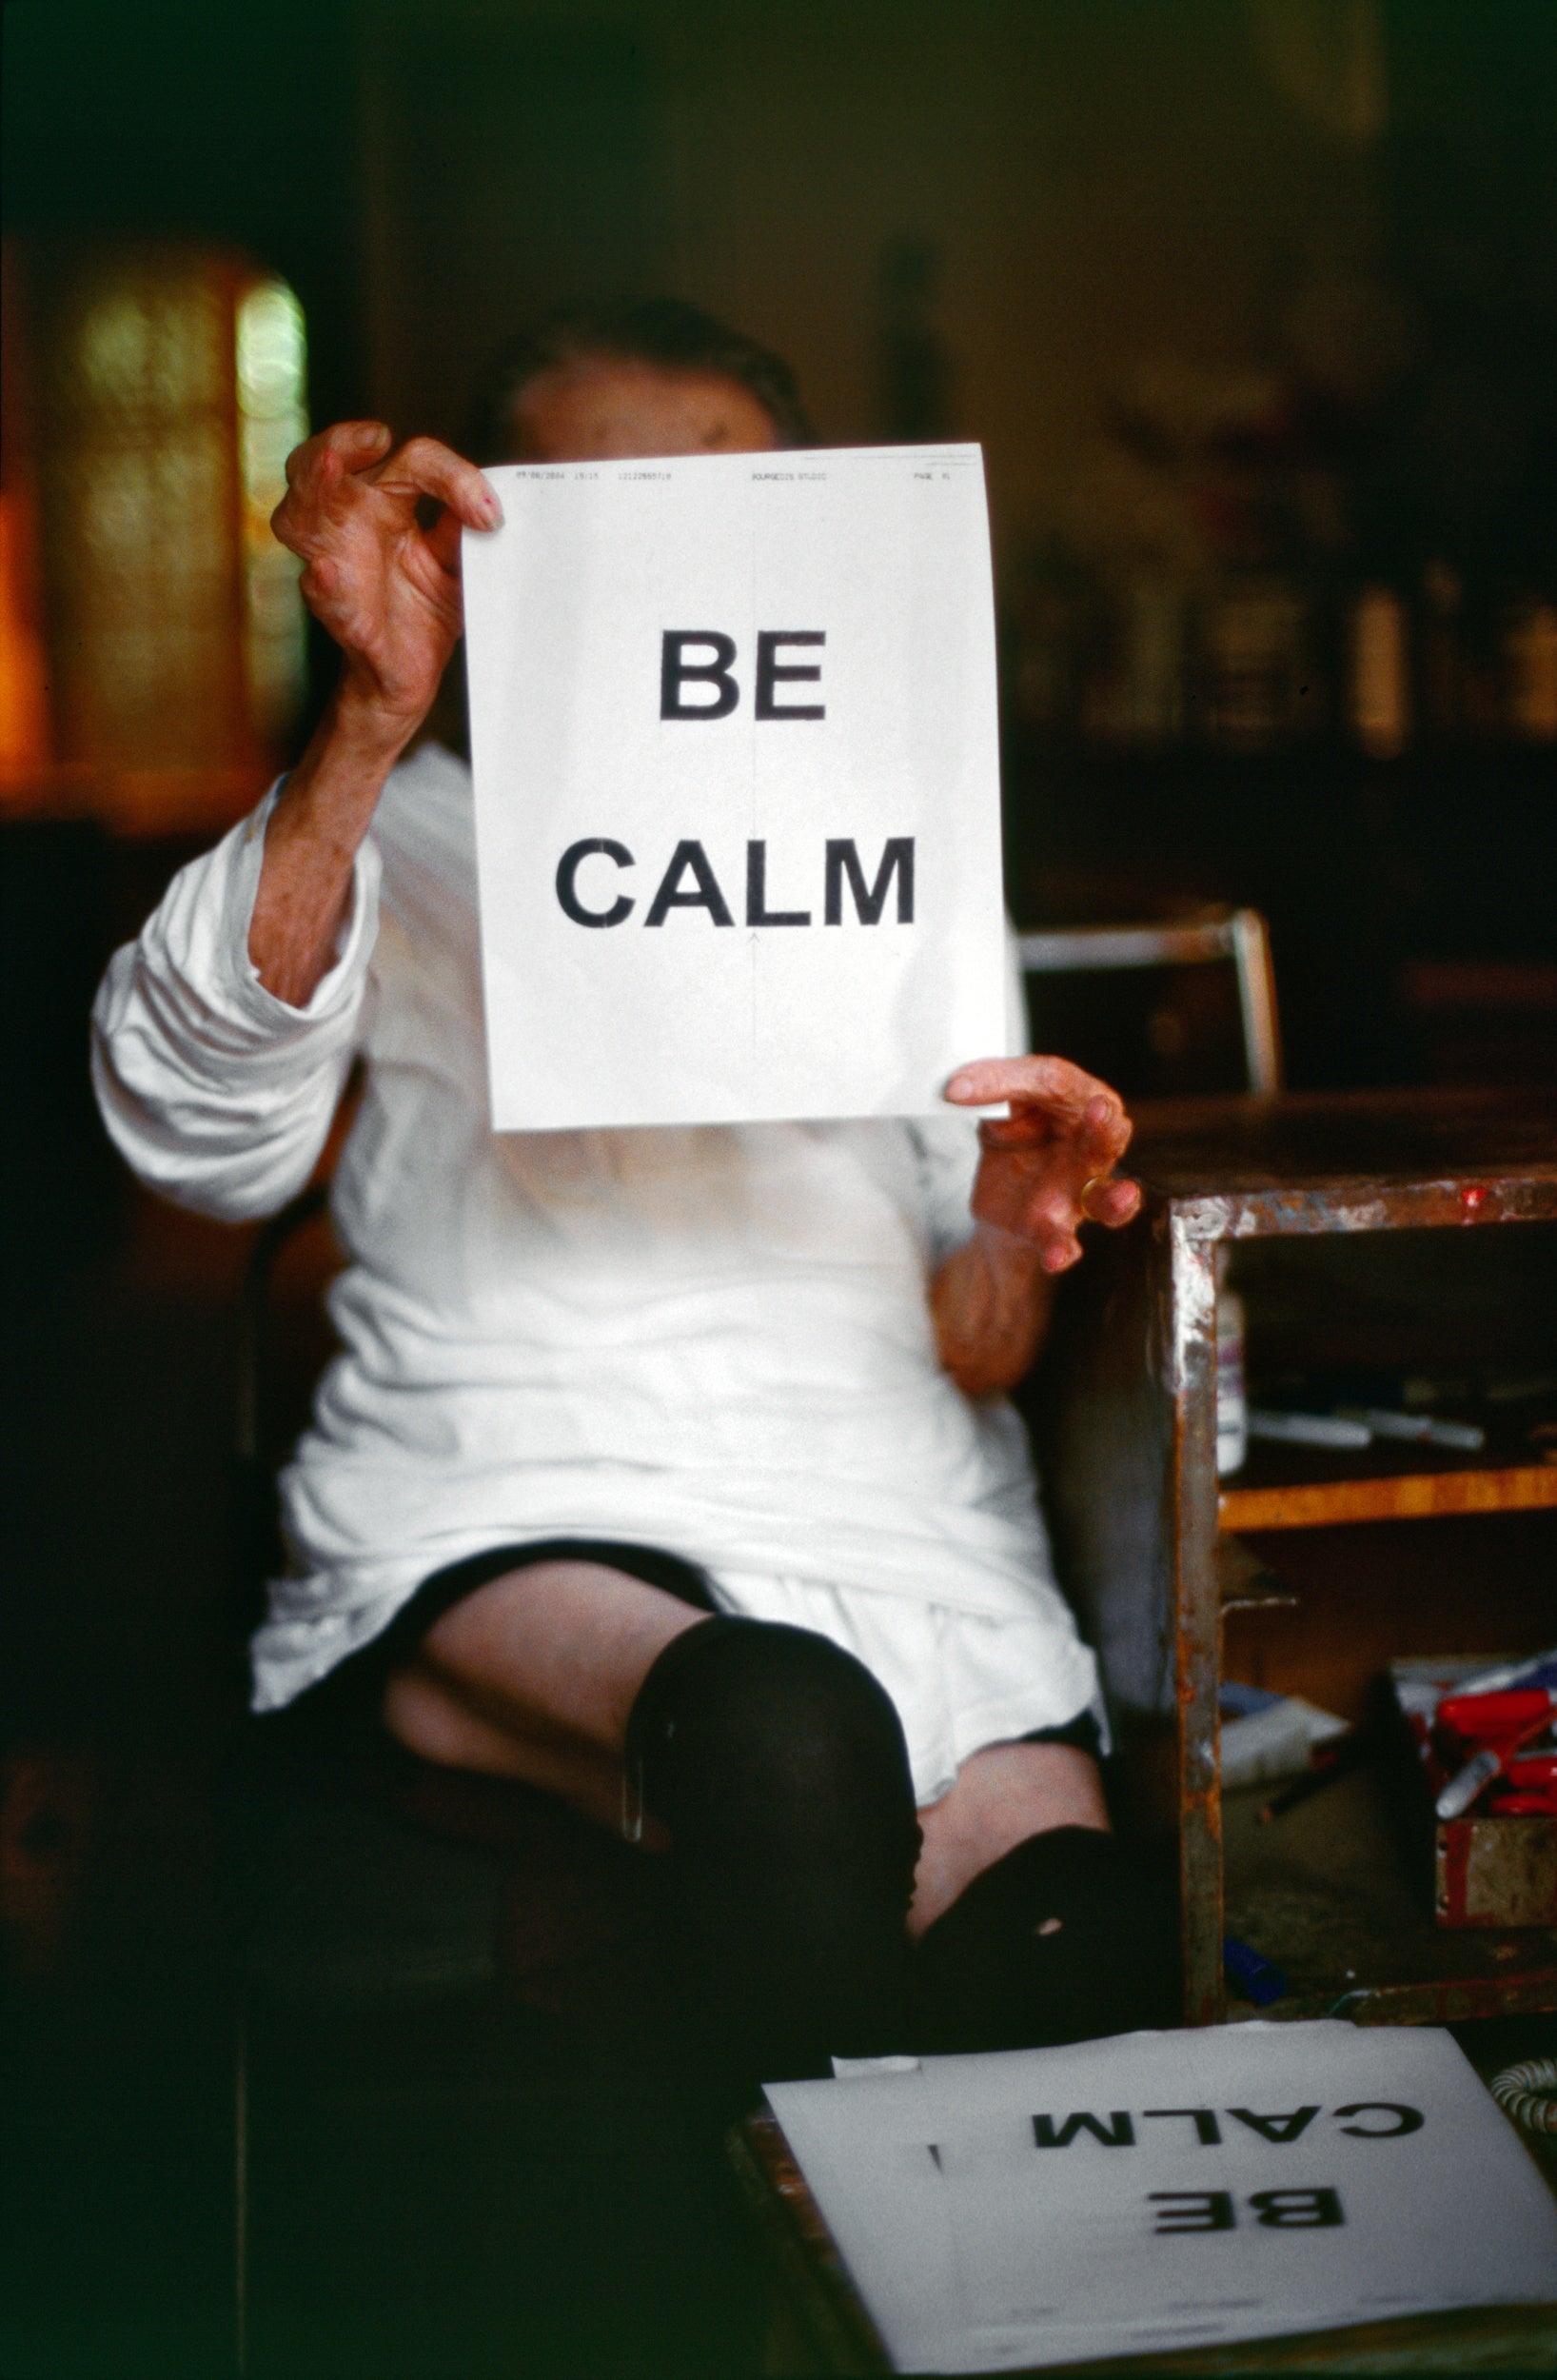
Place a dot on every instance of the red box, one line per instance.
(1488, 1869)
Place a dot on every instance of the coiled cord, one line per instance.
(1529, 2093)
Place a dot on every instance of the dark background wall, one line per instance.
(1225, 286)
(1110, 188)
(1247, 300)
(1254, 305)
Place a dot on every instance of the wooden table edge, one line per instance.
(803, 2246)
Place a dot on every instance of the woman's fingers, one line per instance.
(316, 474)
(1048, 1098)
(1104, 1135)
(332, 471)
(425, 467)
(1051, 1082)
(345, 446)
(1110, 1202)
(1101, 1136)
(1048, 1165)
(1030, 1200)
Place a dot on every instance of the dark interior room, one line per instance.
(1251, 307)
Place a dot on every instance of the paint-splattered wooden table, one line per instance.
(1401, 1240)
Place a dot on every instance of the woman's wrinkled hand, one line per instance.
(386, 589)
(1048, 1166)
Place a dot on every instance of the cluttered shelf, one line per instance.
(1389, 1812)
(1303, 1488)
(1336, 1895)
(1336, 1311)
(1368, 1377)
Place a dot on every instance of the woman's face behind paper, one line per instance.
(606, 408)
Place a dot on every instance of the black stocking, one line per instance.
(1069, 1937)
(779, 1766)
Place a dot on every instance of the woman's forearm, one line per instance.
(990, 1303)
(320, 818)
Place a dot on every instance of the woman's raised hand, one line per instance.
(1048, 1166)
(386, 589)
(389, 592)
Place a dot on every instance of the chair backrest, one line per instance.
(1238, 936)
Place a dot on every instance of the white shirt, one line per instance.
(714, 1339)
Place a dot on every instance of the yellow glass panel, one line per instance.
(272, 419)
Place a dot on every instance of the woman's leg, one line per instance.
(1001, 1797)
(768, 1760)
(779, 1766)
(1033, 1922)
(534, 1675)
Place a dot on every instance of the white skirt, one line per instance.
(959, 1682)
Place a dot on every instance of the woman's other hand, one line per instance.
(1048, 1166)
(1044, 1170)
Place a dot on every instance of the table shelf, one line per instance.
(1333, 1896)
(1416, 1493)
(1372, 1238)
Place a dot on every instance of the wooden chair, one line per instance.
(381, 1897)
(567, 1897)
(1236, 938)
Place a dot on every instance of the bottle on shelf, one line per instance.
(1530, 647)
(1232, 1403)
(1378, 678)
(1442, 670)
(1257, 682)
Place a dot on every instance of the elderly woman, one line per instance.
(668, 1471)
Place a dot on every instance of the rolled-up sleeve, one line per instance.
(216, 1093)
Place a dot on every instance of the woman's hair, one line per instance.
(664, 332)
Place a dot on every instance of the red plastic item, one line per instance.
(1528, 1787)
(1492, 1720)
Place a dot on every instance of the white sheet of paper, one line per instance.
(721, 992)
(977, 2250)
